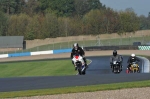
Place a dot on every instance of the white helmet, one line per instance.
(75, 45)
(133, 55)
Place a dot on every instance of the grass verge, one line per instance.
(76, 89)
(37, 68)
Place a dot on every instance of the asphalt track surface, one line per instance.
(99, 72)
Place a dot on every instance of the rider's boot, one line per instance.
(112, 69)
(75, 67)
(86, 66)
(121, 68)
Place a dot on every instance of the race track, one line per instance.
(101, 65)
(98, 73)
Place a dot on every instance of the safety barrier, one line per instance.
(35, 53)
(19, 54)
(93, 48)
(122, 47)
(144, 47)
(42, 52)
(4, 56)
(61, 51)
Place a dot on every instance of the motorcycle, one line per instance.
(116, 67)
(79, 63)
(134, 68)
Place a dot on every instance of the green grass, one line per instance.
(37, 68)
(91, 88)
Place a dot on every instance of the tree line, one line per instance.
(39, 19)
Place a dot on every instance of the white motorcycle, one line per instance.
(79, 63)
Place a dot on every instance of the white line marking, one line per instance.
(90, 61)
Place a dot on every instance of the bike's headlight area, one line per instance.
(134, 65)
(114, 62)
(78, 62)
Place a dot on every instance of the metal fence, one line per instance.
(98, 40)
(85, 41)
(67, 42)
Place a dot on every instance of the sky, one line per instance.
(140, 7)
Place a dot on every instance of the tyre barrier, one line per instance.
(144, 47)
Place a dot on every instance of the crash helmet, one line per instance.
(75, 46)
(132, 55)
(114, 53)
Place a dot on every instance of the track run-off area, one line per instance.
(99, 72)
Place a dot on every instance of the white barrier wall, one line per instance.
(4, 56)
(42, 52)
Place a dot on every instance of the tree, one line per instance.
(18, 25)
(3, 24)
(50, 26)
(129, 22)
(94, 4)
(110, 21)
(59, 7)
(143, 22)
(129, 10)
(44, 4)
(81, 7)
(148, 21)
(31, 7)
(94, 21)
(8, 6)
(84, 6)
(20, 5)
(12, 6)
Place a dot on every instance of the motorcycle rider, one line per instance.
(80, 51)
(116, 57)
(131, 59)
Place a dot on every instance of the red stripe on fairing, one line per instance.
(76, 57)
